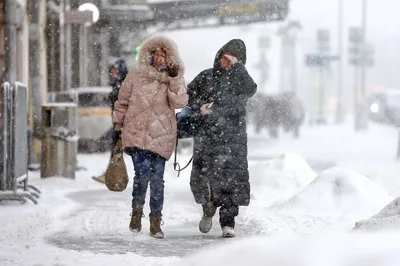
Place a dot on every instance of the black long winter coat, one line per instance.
(220, 169)
(116, 83)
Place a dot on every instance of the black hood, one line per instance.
(120, 64)
(122, 68)
(236, 47)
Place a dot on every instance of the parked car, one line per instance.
(384, 107)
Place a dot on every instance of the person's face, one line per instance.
(114, 73)
(160, 58)
(225, 63)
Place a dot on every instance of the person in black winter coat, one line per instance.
(117, 74)
(218, 98)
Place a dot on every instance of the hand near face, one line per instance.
(173, 70)
(232, 59)
(228, 61)
(205, 109)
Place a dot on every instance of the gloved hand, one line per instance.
(173, 70)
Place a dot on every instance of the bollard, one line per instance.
(59, 140)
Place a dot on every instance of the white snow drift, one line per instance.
(339, 192)
(387, 219)
(331, 250)
(281, 177)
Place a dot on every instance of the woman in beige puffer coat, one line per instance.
(145, 115)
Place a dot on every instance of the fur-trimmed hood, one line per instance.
(146, 51)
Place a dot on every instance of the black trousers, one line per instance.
(227, 212)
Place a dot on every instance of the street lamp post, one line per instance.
(68, 49)
(363, 112)
(62, 45)
(340, 105)
(288, 35)
(83, 40)
(86, 15)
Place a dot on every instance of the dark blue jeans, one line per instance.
(149, 167)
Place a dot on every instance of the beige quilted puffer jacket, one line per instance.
(147, 99)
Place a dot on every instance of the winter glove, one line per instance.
(173, 70)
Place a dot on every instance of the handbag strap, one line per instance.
(177, 166)
(118, 147)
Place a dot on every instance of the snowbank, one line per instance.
(341, 192)
(330, 250)
(279, 178)
(387, 219)
(295, 167)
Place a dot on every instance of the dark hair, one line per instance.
(158, 49)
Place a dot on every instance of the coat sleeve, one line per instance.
(177, 94)
(124, 96)
(243, 88)
(195, 89)
(113, 96)
(243, 83)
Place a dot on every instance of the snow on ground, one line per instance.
(371, 153)
(338, 192)
(387, 219)
(321, 250)
(79, 222)
(280, 177)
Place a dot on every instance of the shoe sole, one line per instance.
(158, 236)
(135, 230)
(228, 236)
(204, 231)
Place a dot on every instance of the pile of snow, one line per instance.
(332, 250)
(295, 167)
(279, 178)
(387, 219)
(339, 191)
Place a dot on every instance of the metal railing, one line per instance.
(14, 148)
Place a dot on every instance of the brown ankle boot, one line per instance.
(136, 219)
(155, 227)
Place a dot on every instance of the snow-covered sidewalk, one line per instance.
(79, 222)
